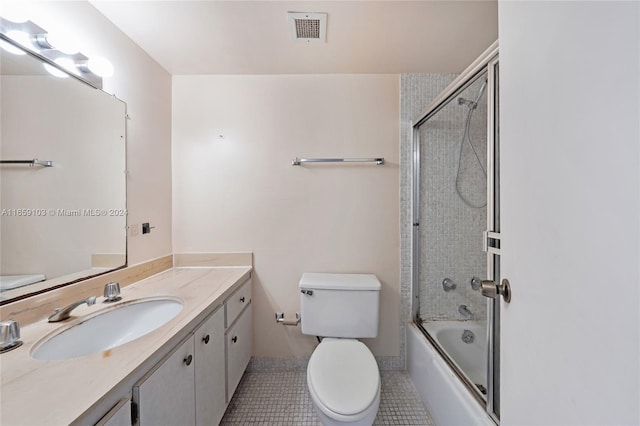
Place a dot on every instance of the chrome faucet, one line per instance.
(63, 314)
(465, 312)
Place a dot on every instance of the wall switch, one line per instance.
(134, 230)
(146, 228)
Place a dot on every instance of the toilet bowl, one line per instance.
(344, 382)
(342, 375)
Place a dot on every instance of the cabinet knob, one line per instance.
(234, 339)
(242, 299)
(188, 359)
(205, 339)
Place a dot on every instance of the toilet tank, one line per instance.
(339, 305)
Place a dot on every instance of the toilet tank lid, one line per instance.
(322, 281)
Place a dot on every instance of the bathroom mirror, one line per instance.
(66, 222)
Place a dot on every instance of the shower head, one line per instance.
(470, 104)
(473, 104)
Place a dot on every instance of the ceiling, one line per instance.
(253, 37)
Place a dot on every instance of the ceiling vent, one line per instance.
(308, 27)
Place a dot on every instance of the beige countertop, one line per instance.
(36, 392)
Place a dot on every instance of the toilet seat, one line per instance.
(343, 379)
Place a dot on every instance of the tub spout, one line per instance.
(465, 312)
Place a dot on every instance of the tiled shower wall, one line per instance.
(450, 230)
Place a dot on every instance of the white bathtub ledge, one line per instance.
(443, 394)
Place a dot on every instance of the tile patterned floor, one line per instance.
(282, 398)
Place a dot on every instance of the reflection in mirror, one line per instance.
(66, 222)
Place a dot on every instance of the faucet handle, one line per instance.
(112, 292)
(476, 283)
(9, 335)
(448, 284)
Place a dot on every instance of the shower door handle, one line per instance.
(492, 290)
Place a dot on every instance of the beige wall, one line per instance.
(146, 88)
(240, 192)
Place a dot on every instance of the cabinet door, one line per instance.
(239, 345)
(119, 415)
(165, 396)
(210, 370)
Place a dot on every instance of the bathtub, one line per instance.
(471, 357)
(448, 400)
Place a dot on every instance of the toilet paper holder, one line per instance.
(280, 319)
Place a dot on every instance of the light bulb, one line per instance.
(68, 65)
(21, 38)
(100, 66)
(62, 42)
(55, 71)
(11, 48)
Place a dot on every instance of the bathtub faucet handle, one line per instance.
(448, 284)
(476, 283)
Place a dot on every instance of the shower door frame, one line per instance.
(484, 64)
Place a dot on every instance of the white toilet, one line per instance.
(342, 375)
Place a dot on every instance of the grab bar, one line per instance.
(298, 161)
(31, 163)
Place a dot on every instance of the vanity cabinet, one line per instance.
(238, 343)
(195, 382)
(165, 395)
(119, 415)
(210, 370)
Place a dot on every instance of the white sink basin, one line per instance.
(108, 329)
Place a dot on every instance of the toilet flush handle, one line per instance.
(307, 292)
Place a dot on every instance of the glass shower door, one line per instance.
(456, 231)
(491, 239)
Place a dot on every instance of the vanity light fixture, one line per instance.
(55, 71)
(97, 65)
(11, 48)
(21, 37)
(57, 40)
(68, 64)
(55, 49)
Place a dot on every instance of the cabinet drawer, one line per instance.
(236, 302)
(239, 346)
